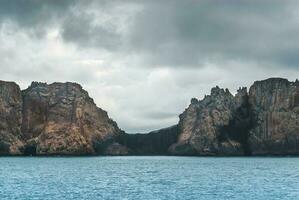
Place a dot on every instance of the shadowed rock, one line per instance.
(275, 112)
(211, 126)
(61, 118)
(10, 119)
(153, 143)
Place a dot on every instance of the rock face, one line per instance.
(153, 143)
(275, 112)
(216, 125)
(116, 149)
(61, 118)
(10, 119)
(263, 122)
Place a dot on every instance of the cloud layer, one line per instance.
(142, 61)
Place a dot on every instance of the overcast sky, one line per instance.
(143, 61)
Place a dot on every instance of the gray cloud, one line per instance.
(33, 15)
(78, 28)
(159, 115)
(192, 32)
(171, 33)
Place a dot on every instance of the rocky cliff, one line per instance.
(275, 112)
(10, 119)
(61, 119)
(263, 122)
(54, 119)
(215, 125)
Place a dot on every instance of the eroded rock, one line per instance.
(275, 112)
(61, 118)
(10, 119)
(209, 126)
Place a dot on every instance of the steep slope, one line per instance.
(216, 125)
(275, 112)
(61, 118)
(10, 119)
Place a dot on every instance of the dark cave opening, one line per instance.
(239, 127)
(30, 150)
(238, 132)
(4, 148)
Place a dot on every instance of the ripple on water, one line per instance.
(148, 178)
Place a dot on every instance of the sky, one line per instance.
(143, 60)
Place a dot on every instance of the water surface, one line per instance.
(148, 178)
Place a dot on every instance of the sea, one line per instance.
(149, 177)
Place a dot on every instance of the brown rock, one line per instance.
(205, 127)
(61, 118)
(275, 112)
(10, 119)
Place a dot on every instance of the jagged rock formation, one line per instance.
(263, 122)
(212, 126)
(10, 119)
(61, 119)
(275, 112)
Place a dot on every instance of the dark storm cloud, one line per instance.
(173, 33)
(191, 32)
(33, 15)
(71, 16)
(78, 28)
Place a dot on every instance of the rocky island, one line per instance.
(61, 119)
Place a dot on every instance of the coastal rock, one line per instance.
(116, 149)
(10, 119)
(210, 126)
(61, 118)
(153, 143)
(275, 113)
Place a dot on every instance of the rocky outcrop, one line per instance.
(153, 143)
(263, 122)
(61, 118)
(216, 125)
(275, 112)
(10, 119)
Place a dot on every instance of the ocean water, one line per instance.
(148, 178)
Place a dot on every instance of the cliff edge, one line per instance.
(61, 119)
